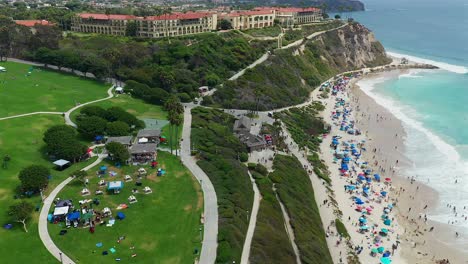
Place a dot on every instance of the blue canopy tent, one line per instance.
(73, 216)
(385, 260)
(103, 168)
(344, 166)
(120, 216)
(346, 159)
(386, 254)
(387, 222)
(377, 177)
(115, 186)
(365, 190)
(361, 178)
(358, 201)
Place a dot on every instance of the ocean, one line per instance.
(432, 104)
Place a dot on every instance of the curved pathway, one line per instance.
(43, 227)
(252, 222)
(68, 120)
(210, 232)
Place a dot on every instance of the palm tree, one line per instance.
(175, 109)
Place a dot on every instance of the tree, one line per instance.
(175, 110)
(91, 126)
(61, 142)
(34, 178)
(117, 128)
(79, 175)
(118, 152)
(131, 29)
(243, 157)
(21, 212)
(337, 16)
(212, 79)
(93, 110)
(225, 24)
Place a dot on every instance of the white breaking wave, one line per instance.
(436, 162)
(441, 65)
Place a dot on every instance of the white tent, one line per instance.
(2, 69)
(119, 89)
(143, 140)
(61, 210)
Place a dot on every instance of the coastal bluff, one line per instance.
(288, 76)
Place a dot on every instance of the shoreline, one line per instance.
(415, 199)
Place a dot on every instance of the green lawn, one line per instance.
(162, 226)
(43, 90)
(132, 105)
(22, 139)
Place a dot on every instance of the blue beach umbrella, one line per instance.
(377, 177)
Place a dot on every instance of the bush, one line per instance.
(340, 227)
(243, 157)
(184, 97)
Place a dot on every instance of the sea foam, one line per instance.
(441, 65)
(435, 162)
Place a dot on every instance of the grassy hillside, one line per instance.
(289, 75)
(296, 192)
(218, 150)
(270, 243)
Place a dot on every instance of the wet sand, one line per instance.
(386, 134)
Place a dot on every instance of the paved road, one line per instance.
(43, 223)
(29, 114)
(210, 233)
(252, 223)
(68, 120)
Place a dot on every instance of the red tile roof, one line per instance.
(288, 9)
(179, 16)
(297, 9)
(106, 17)
(32, 23)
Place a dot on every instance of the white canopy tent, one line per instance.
(2, 69)
(61, 210)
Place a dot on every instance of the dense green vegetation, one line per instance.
(264, 32)
(270, 243)
(156, 66)
(306, 129)
(218, 149)
(340, 227)
(296, 192)
(304, 125)
(292, 35)
(292, 73)
(114, 121)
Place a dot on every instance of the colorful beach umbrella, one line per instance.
(380, 249)
(385, 260)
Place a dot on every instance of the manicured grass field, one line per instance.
(43, 90)
(22, 139)
(264, 32)
(132, 105)
(162, 226)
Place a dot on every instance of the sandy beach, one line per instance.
(414, 199)
(419, 239)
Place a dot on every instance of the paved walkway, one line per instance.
(68, 120)
(210, 232)
(43, 223)
(252, 223)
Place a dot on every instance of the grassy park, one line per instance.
(163, 227)
(22, 139)
(43, 90)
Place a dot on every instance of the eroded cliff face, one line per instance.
(351, 47)
(288, 76)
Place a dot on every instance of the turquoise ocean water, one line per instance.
(433, 105)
